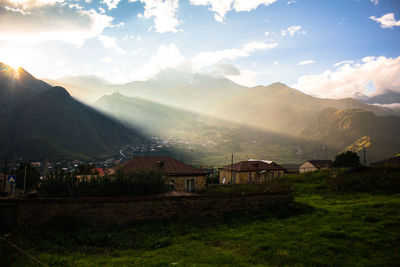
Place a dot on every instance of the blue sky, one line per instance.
(324, 48)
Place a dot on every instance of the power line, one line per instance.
(24, 252)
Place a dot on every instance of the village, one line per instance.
(180, 177)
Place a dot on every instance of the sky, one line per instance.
(323, 48)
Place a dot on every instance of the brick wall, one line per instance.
(123, 210)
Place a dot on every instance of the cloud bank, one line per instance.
(49, 20)
(221, 7)
(350, 77)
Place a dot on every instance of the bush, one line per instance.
(366, 179)
(347, 159)
(146, 182)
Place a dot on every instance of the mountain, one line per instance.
(86, 88)
(282, 109)
(388, 97)
(46, 122)
(337, 129)
(196, 92)
(213, 140)
(16, 86)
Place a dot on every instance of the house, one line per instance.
(388, 162)
(315, 165)
(180, 176)
(291, 168)
(250, 171)
(266, 161)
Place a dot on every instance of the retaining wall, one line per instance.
(126, 209)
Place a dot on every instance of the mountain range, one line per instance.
(209, 115)
(386, 98)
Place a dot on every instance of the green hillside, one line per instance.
(340, 128)
(279, 108)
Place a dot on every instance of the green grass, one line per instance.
(324, 228)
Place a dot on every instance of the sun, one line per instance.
(14, 59)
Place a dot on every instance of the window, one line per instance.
(250, 177)
(272, 174)
(189, 185)
(279, 174)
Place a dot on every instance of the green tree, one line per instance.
(347, 159)
(32, 176)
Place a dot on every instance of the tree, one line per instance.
(32, 176)
(347, 159)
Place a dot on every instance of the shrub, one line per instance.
(366, 179)
(146, 182)
(347, 159)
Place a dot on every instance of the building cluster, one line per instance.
(182, 177)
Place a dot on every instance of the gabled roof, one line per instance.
(291, 167)
(391, 161)
(167, 165)
(321, 163)
(253, 166)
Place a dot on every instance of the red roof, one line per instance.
(253, 166)
(168, 165)
(99, 171)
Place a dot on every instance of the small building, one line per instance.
(291, 168)
(180, 176)
(395, 161)
(253, 171)
(315, 165)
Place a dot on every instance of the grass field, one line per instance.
(324, 228)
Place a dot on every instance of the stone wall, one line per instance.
(178, 182)
(124, 210)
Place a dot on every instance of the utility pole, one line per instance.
(364, 157)
(5, 174)
(24, 178)
(232, 169)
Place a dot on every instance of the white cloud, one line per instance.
(38, 21)
(166, 56)
(276, 62)
(164, 13)
(292, 30)
(386, 21)
(111, 3)
(343, 62)
(107, 59)
(221, 7)
(204, 59)
(349, 78)
(375, 2)
(110, 42)
(394, 106)
(291, 2)
(226, 69)
(132, 37)
(246, 78)
(306, 62)
(169, 56)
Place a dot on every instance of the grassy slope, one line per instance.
(333, 229)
